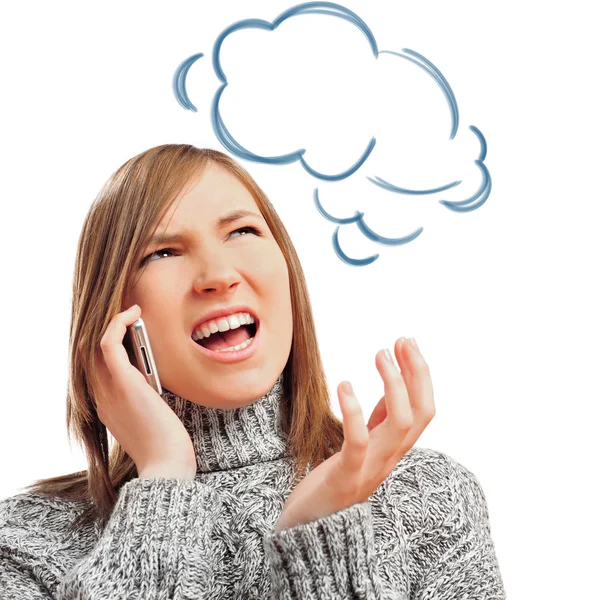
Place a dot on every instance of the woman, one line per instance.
(239, 482)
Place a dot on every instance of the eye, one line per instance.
(250, 228)
(254, 230)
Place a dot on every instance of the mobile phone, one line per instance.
(140, 353)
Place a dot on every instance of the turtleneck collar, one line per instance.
(236, 437)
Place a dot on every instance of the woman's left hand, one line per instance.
(369, 452)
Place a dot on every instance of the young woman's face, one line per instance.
(212, 267)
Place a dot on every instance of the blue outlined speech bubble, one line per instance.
(391, 182)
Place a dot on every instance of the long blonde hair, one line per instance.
(120, 221)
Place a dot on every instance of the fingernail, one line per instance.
(388, 356)
(413, 343)
(348, 388)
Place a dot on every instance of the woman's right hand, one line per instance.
(138, 418)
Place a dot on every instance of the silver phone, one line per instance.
(140, 353)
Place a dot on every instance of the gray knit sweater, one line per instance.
(423, 534)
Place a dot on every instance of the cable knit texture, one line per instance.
(424, 534)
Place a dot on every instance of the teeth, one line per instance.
(222, 324)
(238, 347)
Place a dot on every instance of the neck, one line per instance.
(231, 438)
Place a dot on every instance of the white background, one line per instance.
(502, 300)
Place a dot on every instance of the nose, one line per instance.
(217, 278)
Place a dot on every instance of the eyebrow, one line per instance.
(236, 215)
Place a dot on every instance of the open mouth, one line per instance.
(231, 340)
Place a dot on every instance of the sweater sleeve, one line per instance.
(155, 545)
(454, 554)
(332, 558)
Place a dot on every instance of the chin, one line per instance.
(231, 392)
(246, 388)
